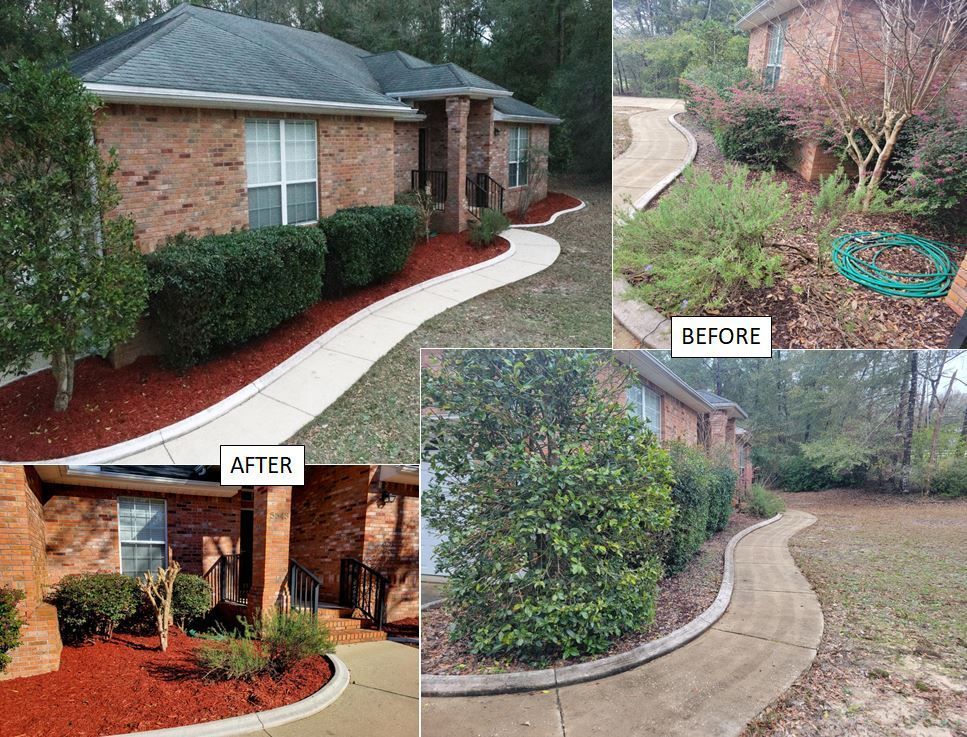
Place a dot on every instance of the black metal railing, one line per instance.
(363, 588)
(303, 588)
(229, 580)
(483, 192)
(436, 180)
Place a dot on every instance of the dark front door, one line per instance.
(245, 546)
(422, 162)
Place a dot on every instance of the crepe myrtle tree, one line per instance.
(72, 281)
(550, 499)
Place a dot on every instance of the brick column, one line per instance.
(270, 546)
(957, 296)
(455, 215)
(23, 565)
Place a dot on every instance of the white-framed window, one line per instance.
(517, 148)
(777, 44)
(143, 532)
(280, 164)
(646, 404)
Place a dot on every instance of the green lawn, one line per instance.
(567, 305)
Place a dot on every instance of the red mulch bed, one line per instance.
(541, 211)
(127, 685)
(110, 405)
(406, 627)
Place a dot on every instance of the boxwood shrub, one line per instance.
(222, 290)
(690, 492)
(92, 604)
(191, 598)
(721, 487)
(367, 244)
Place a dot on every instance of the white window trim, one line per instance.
(661, 410)
(118, 515)
(282, 183)
(519, 185)
(775, 41)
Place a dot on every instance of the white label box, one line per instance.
(263, 465)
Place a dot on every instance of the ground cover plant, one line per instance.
(888, 571)
(555, 500)
(491, 223)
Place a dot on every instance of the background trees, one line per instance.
(891, 419)
(553, 54)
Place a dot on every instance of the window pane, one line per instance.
(300, 150)
(142, 529)
(264, 207)
(652, 409)
(301, 202)
(634, 400)
(263, 152)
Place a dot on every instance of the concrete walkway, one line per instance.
(656, 150)
(382, 697)
(277, 405)
(713, 686)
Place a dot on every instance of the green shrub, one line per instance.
(721, 488)
(223, 290)
(288, 637)
(10, 622)
(90, 604)
(367, 244)
(763, 503)
(552, 502)
(799, 474)
(690, 493)
(704, 241)
(950, 479)
(484, 231)
(750, 128)
(232, 658)
(191, 599)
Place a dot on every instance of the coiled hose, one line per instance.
(866, 272)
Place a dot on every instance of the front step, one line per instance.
(344, 629)
(351, 637)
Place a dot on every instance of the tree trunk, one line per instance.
(162, 631)
(908, 433)
(963, 428)
(901, 413)
(882, 160)
(935, 435)
(62, 367)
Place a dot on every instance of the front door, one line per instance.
(422, 161)
(245, 548)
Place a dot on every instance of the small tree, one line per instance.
(550, 498)
(72, 280)
(897, 66)
(420, 200)
(160, 594)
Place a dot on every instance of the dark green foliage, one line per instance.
(223, 290)
(950, 479)
(367, 244)
(552, 502)
(690, 492)
(10, 622)
(90, 604)
(763, 503)
(492, 223)
(721, 488)
(799, 474)
(191, 599)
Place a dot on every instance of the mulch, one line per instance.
(681, 598)
(406, 627)
(111, 405)
(830, 311)
(127, 685)
(541, 211)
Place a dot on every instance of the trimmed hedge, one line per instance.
(690, 492)
(90, 604)
(191, 599)
(721, 487)
(222, 290)
(367, 244)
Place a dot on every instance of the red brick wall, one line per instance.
(957, 296)
(480, 136)
(23, 566)
(272, 512)
(679, 422)
(539, 143)
(82, 529)
(406, 153)
(392, 547)
(183, 169)
(454, 218)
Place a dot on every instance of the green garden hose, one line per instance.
(864, 271)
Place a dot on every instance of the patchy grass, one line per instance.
(891, 574)
(567, 305)
(621, 128)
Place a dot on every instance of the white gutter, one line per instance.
(505, 118)
(766, 11)
(449, 92)
(94, 477)
(194, 98)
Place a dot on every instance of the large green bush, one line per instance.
(552, 502)
(690, 492)
(367, 244)
(950, 479)
(704, 242)
(223, 290)
(90, 604)
(763, 503)
(799, 474)
(10, 622)
(191, 599)
(721, 488)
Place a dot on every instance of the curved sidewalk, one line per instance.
(277, 405)
(712, 686)
(656, 150)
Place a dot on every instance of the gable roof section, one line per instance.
(199, 57)
(511, 110)
(733, 409)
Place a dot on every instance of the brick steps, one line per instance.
(344, 629)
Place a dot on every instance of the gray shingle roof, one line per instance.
(202, 50)
(716, 401)
(512, 107)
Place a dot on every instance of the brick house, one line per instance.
(673, 410)
(222, 121)
(344, 545)
(781, 30)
